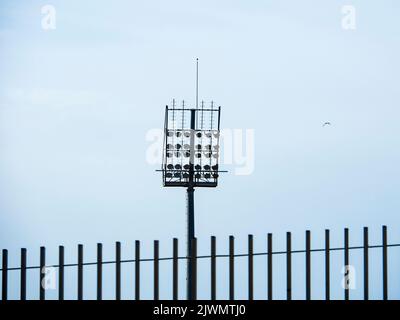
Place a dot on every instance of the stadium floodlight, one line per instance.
(190, 148)
(190, 156)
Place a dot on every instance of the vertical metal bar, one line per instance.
(190, 234)
(288, 266)
(42, 293)
(327, 266)
(137, 270)
(213, 268)
(194, 269)
(60, 273)
(250, 266)
(118, 270)
(80, 272)
(23, 274)
(308, 265)
(346, 263)
(384, 263)
(175, 270)
(269, 276)
(99, 271)
(231, 268)
(4, 276)
(366, 267)
(190, 202)
(156, 269)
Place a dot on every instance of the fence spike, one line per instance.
(270, 264)
(213, 262)
(288, 266)
(175, 269)
(137, 270)
(42, 284)
(99, 271)
(384, 264)
(23, 275)
(231, 267)
(327, 265)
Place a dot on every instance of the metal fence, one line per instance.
(212, 257)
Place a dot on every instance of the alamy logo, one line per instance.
(349, 17)
(49, 17)
(238, 149)
(49, 279)
(349, 277)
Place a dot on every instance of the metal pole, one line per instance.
(366, 269)
(60, 273)
(137, 270)
(23, 274)
(346, 264)
(308, 265)
(99, 271)
(269, 276)
(384, 263)
(190, 207)
(250, 267)
(156, 270)
(213, 268)
(80, 272)
(42, 292)
(190, 230)
(288, 266)
(175, 270)
(118, 271)
(194, 269)
(231, 268)
(327, 266)
(4, 283)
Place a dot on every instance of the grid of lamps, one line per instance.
(180, 144)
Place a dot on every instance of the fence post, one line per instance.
(137, 270)
(250, 266)
(118, 270)
(384, 263)
(231, 268)
(327, 266)
(366, 267)
(213, 268)
(60, 273)
(42, 293)
(308, 265)
(194, 268)
(4, 276)
(99, 271)
(23, 274)
(269, 276)
(346, 262)
(175, 270)
(156, 269)
(80, 272)
(288, 266)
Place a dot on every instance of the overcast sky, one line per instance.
(77, 101)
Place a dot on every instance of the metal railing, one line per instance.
(213, 256)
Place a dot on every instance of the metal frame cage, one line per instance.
(191, 146)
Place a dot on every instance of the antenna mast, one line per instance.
(197, 83)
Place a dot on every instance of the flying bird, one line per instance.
(326, 124)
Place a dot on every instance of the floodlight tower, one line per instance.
(190, 157)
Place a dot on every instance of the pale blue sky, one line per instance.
(76, 103)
